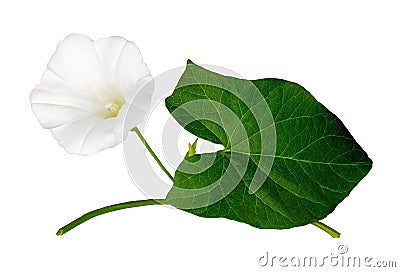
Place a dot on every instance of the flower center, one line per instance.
(113, 109)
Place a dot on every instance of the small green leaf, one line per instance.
(191, 149)
(287, 160)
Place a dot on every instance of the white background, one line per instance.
(345, 52)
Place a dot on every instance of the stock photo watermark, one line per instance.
(340, 258)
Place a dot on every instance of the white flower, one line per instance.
(87, 89)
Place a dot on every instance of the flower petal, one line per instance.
(73, 136)
(131, 73)
(77, 63)
(109, 52)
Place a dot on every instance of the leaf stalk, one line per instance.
(332, 232)
(146, 144)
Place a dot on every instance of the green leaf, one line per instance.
(191, 149)
(287, 160)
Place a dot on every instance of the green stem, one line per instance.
(137, 131)
(120, 206)
(107, 209)
(327, 229)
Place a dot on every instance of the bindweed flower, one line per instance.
(87, 89)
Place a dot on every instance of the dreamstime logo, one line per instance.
(212, 111)
(338, 259)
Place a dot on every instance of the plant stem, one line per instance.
(327, 229)
(107, 209)
(137, 131)
(120, 206)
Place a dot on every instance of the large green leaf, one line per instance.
(287, 160)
